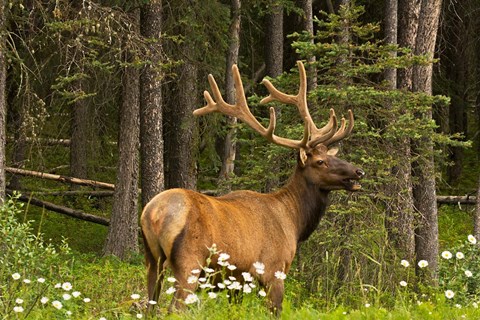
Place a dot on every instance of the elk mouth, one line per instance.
(352, 184)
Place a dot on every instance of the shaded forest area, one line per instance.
(103, 91)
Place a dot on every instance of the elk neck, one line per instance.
(308, 205)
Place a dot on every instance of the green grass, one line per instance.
(109, 284)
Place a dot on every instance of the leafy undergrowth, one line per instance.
(42, 281)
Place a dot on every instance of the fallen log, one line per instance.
(64, 179)
(87, 193)
(77, 214)
(456, 199)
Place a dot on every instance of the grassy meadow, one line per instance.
(51, 268)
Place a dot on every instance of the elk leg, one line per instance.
(184, 288)
(275, 296)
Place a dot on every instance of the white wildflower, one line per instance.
(191, 298)
(447, 255)
(57, 304)
(262, 293)
(235, 286)
(171, 279)
(192, 279)
(259, 267)
(221, 285)
(41, 280)
(196, 271)
(472, 239)
(223, 257)
(44, 300)
(27, 281)
(449, 294)
(460, 255)
(403, 283)
(231, 267)
(170, 290)
(16, 276)
(367, 305)
(247, 276)
(86, 300)
(58, 285)
(139, 316)
(423, 263)
(280, 275)
(135, 296)
(67, 286)
(203, 279)
(212, 295)
(208, 270)
(405, 263)
(18, 301)
(18, 309)
(152, 302)
(66, 296)
(468, 273)
(246, 288)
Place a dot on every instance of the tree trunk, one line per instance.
(476, 231)
(122, 236)
(457, 56)
(307, 25)
(391, 37)
(409, 12)
(80, 114)
(274, 42)
(230, 146)
(274, 66)
(424, 190)
(3, 107)
(399, 210)
(151, 110)
(182, 133)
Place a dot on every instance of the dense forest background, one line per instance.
(97, 98)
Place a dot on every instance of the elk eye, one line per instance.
(320, 162)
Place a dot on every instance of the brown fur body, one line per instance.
(180, 225)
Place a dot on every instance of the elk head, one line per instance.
(317, 162)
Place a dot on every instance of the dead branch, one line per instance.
(77, 214)
(64, 179)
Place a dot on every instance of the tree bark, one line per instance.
(424, 190)
(399, 210)
(274, 64)
(80, 114)
(3, 107)
(476, 231)
(307, 25)
(122, 238)
(151, 106)
(274, 42)
(230, 145)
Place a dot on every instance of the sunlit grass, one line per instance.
(38, 281)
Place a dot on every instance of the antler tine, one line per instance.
(342, 132)
(242, 111)
(299, 100)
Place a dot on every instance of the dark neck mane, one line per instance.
(310, 203)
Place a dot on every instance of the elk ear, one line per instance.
(332, 151)
(303, 157)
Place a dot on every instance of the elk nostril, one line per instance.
(360, 172)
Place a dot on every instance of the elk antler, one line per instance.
(312, 135)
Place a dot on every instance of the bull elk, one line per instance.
(180, 225)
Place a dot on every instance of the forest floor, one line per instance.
(95, 287)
